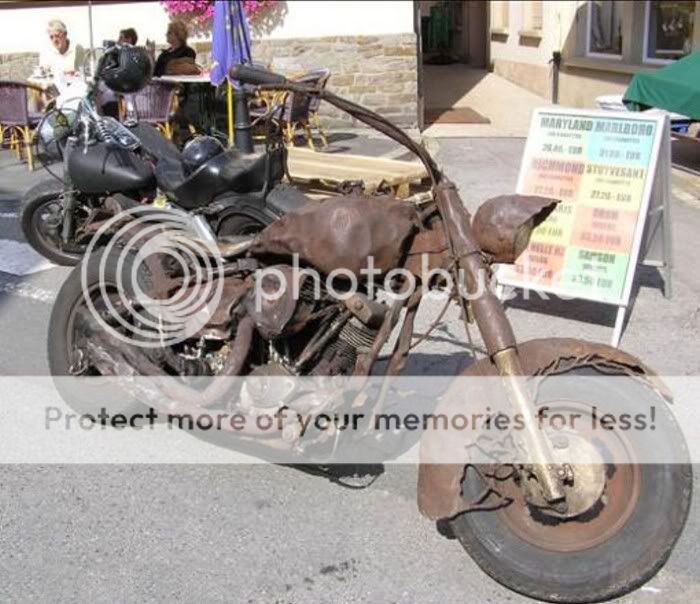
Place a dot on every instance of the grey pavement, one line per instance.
(270, 534)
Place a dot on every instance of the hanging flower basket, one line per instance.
(198, 13)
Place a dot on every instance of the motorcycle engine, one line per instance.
(276, 384)
(340, 355)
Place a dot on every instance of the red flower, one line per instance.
(201, 11)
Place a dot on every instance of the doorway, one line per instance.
(450, 33)
(453, 32)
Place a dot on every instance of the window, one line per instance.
(668, 31)
(499, 16)
(532, 15)
(604, 28)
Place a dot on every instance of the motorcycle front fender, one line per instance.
(439, 485)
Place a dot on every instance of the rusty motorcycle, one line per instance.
(552, 536)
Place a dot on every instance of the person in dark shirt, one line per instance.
(128, 36)
(176, 37)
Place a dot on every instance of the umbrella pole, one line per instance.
(92, 43)
(229, 98)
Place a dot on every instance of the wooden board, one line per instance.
(310, 166)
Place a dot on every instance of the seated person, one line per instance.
(108, 101)
(64, 57)
(128, 36)
(178, 57)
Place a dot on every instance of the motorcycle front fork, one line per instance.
(68, 205)
(67, 226)
(499, 340)
(536, 443)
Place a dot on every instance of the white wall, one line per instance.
(557, 21)
(317, 19)
(25, 29)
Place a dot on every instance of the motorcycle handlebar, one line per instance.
(255, 76)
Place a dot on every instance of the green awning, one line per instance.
(675, 87)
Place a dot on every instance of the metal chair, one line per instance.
(155, 105)
(299, 108)
(15, 118)
(314, 119)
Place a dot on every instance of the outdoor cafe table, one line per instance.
(206, 94)
(42, 89)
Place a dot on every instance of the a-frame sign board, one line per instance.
(612, 171)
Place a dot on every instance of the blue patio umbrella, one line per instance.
(230, 46)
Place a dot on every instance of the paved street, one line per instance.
(273, 534)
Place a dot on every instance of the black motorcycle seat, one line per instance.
(169, 174)
(231, 171)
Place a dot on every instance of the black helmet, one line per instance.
(125, 69)
(198, 151)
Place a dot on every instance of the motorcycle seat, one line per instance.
(231, 171)
(154, 143)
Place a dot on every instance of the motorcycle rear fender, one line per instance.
(439, 485)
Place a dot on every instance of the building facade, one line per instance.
(370, 47)
(377, 50)
(603, 43)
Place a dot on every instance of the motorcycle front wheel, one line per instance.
(41, 217)
(611, 550)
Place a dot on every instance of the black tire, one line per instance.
(84, 396)
(235, 225)
(631, 555)
(35, 202)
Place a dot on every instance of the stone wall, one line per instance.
(379, 72)
(18, 66)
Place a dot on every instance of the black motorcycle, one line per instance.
(109, 167)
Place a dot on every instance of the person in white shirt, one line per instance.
(64, 57)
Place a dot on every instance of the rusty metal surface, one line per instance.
(279, 310)
(233, 290)
(166, 395)
(457, 220)
(491, 319)
(502, 225)
(439, 485)
(544, 529)
(342, 233)
(428, 248)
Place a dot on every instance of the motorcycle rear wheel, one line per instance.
(600, 555)
(237, 225)
(86, 397)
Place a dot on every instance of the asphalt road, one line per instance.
(269, 534)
